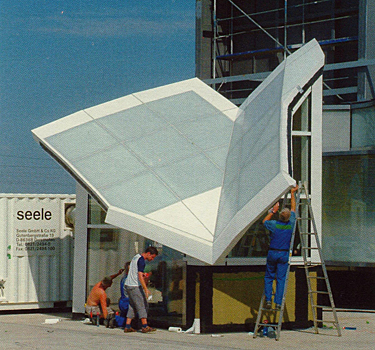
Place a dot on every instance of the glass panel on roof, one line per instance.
(208, 132)
(183, 107)
(191, 176)
(142, 195)
(253, 158)
(81, 140)
(132, 123)
(162, 147)
(229, 207)
(120, 165)
(260, 103)
(266, 133)
(256, 175)
(218, 156)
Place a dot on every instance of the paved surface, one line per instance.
(31, 332)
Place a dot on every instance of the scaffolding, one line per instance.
(250, 38)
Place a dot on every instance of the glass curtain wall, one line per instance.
(349, 194)
(109, 248)
(363, 128)
(349, 209)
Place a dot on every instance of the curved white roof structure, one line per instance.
(181, 164)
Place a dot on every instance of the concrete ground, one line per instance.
(30, 331)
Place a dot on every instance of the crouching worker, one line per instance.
(278, 254)
(96, 304)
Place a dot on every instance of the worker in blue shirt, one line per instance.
(278, 254)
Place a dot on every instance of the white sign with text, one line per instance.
(36, 228)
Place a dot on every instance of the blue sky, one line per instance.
(58, 57)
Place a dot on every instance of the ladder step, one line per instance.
(269, 324)
(317, 277)
(310, 265)
(265, 309)
(318, 292)
(327, 308)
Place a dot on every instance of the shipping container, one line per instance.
(36, 251)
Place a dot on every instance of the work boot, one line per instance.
(148, 329)
(129, 330)
(278, 307)
(268, 304)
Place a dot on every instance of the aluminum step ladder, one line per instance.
(307, 230)
(263, 311)
(316, 272)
